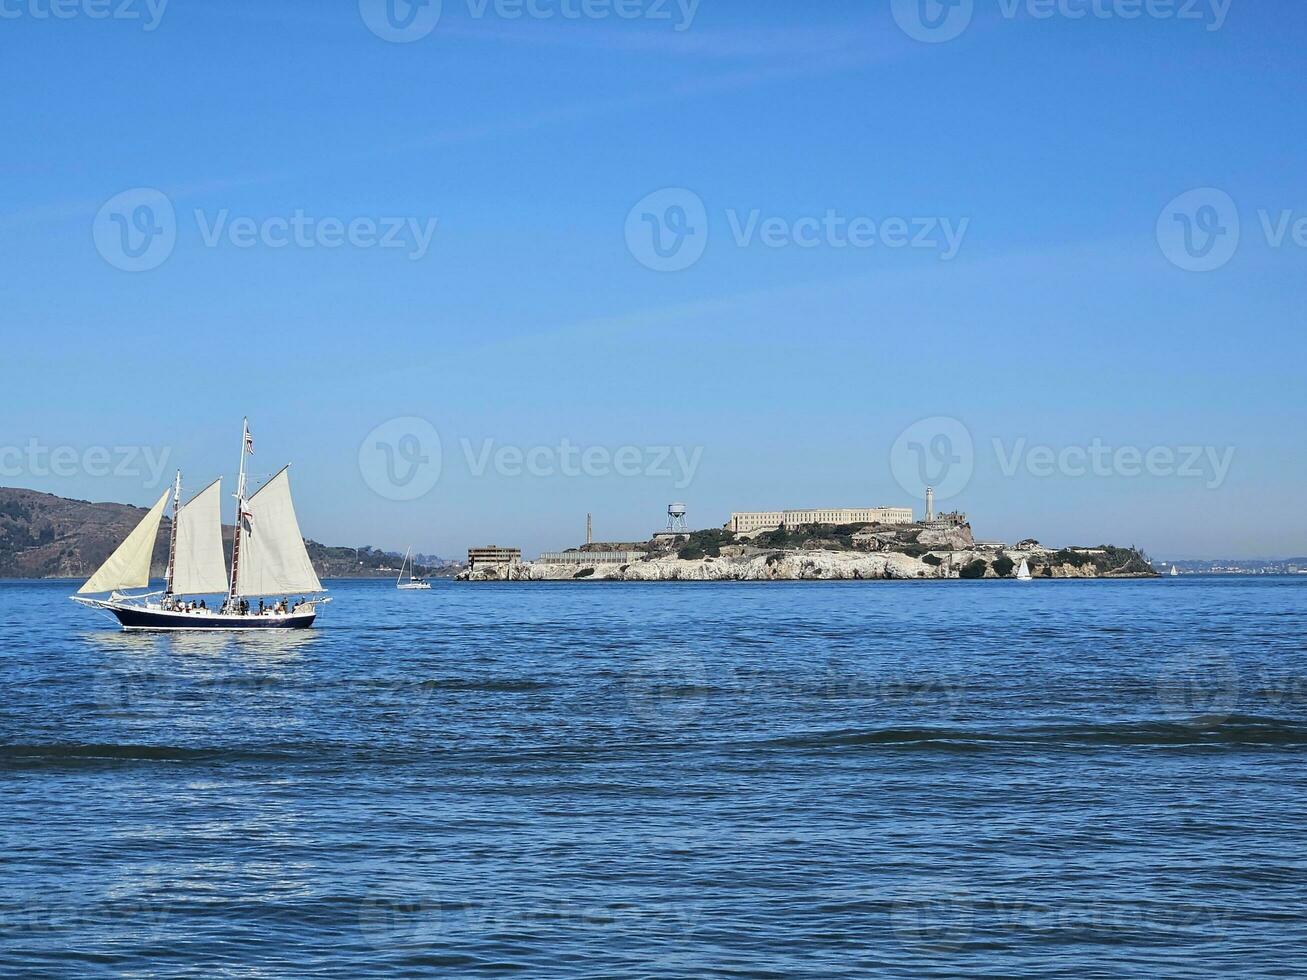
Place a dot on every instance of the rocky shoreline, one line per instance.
(810, 565)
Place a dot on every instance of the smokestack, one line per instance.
(930, 503)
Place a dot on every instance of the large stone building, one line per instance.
(493, 555)
(769, 520)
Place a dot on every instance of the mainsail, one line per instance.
(199, 567)
(273, 559)
(129, 566)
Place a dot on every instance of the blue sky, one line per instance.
(530, 319)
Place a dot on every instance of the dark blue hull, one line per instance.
(138, 618)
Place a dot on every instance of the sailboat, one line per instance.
(1023, 573)
(268, 559)
(1175, 572)
(414, 582)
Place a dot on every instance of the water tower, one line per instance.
(676, 519)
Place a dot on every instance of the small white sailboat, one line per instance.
(268, 559)
(1023, 573)
(1175, 572)
(415, 582)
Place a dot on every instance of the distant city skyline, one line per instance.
(479, 275)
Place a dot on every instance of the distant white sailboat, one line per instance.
(1175, 572)
(1023, 573)
(415, 582)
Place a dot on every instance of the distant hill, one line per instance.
(44, 536)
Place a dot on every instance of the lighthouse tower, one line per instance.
(930, 504)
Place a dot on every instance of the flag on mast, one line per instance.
(249, 440)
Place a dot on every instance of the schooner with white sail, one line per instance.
(269, 559)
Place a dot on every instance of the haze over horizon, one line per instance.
(488, 274)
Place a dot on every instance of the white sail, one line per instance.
(129, 566)
(273, 559)
(199, 567)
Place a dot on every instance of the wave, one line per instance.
(73, 752)
(1233, 730)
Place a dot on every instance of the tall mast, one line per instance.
(172, 537)
(240, 517)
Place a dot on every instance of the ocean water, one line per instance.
(696, 780)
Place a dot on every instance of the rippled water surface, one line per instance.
(707, 780)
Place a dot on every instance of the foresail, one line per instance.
(273, 559)
(129, 566)
(200, 568)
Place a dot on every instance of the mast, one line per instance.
(172, 537)
(240, 517)
(401, 567)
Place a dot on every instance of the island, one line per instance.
(941, 548)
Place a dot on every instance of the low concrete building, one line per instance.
(590, 557)
(493, 555)
(769, 520)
